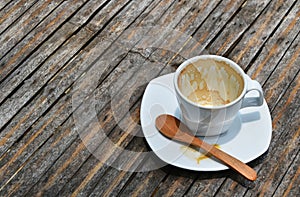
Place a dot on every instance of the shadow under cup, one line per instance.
(210, 90)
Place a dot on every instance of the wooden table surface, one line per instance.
(60, 58)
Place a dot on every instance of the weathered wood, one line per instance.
(28, 22)
(211, 27)
(56, 144)
(84, 181)
(143, 183)
(43, 146)
(152, 14)
(87, 12)
(104, 93)
(59, 79)
(49, 47)
(173, 186)
(196, 15)
(9, 108)
(264, 26)
(100, 11)
(12, 11)
(276, 47)
(114, 181)
(44, 73)
(175, 13)
(281, 157)
(20, 46)
(205, 187)
(117, 135)
(4, 3)
(106, 118)
(289, 186)
(36, 139)
(51, 65)
(237, 26)
(18, 161)
(114, 87)
(283, 74)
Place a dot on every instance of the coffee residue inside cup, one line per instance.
(210, 83)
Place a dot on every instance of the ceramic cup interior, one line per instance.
(209, 82)
(211, 90)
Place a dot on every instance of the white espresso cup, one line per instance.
(211, 90)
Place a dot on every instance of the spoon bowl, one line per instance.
(174, 129)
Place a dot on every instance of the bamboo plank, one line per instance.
(31, 87)
(197, 15)
(289, 186)
(129, 86)
(282, 75)
(42, 150)
(50, 65)
(96, 174)
(286, 63)
(174, 185)
(42, 75)
(236, 27)
(281, 157)
(105, 88)
(59, 78)
(20, 45)
(208, 31)
(276, 46)
(264, 26)
(4, 3)
(12, 12)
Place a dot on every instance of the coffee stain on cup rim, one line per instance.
(194, 60)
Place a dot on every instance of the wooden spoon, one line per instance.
(171, 127)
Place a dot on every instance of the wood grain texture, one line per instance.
(290, 183)
(4, 3)
(48, 54)
(64, 52)
(265, 25)
(12, 12)
(33, 39)
(283, 74)
(61, 78)
(216, 22)
(282, 156)
(236, 27)
(131, 85)
(276, 46)
(53, 64)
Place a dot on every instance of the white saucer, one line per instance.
(248, 138)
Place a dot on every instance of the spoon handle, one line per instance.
(172, 127)
(231, 161)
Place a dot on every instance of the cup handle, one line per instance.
(253, 101)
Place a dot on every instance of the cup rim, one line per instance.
(231, 63)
